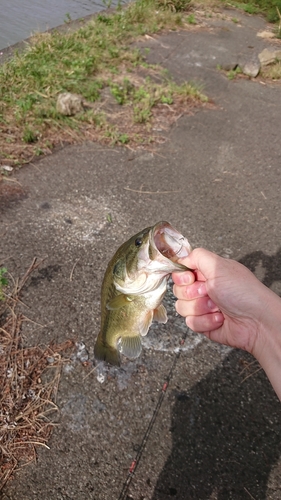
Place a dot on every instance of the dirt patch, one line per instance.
(10, 192)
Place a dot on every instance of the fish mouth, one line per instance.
(170, 243)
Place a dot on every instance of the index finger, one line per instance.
(202, 261)
(183, 278)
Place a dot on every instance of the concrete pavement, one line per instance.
(216, 179)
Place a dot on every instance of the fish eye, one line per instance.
(138, 242)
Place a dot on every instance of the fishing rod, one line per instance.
(136, 461)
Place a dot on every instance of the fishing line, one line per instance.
(136, 461)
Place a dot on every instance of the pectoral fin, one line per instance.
(145, 323)
(160, 314)
(130, 346)
(118, 302)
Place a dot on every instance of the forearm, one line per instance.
(268, 346)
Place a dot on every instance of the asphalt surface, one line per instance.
(217, 180)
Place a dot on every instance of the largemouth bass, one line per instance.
(133, 287)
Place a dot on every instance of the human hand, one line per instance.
(221, 299)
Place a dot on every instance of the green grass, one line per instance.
(87, 61)
(234, 72)
(267, 7)
(3, 282)
(249, 7)
(98, 62)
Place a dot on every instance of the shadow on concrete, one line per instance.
(270, 263)
(226, 436)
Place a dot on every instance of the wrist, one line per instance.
(267, 348)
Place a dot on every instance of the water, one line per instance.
(20, 18)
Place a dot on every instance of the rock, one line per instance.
(278, 55)
(82, 353)
(252, 68)
(230, 65)
(266, 34)
(268, 56)
(69, 104)
(6, 168)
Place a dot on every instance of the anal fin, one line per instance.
(130, 346)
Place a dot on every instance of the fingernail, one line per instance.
(219, 318)
(202, 289)
(211, 304)
(185, 279)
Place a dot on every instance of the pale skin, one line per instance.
(224, 301)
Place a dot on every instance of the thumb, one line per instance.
(201, 260)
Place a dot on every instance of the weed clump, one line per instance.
(175, 5)
(29, 136)
(271, 8)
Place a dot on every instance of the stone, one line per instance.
(266, 34)
(69, 104)
(6, 168)
(229, 66)
(251, 68)
(267, 56)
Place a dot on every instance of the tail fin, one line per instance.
(104, 352)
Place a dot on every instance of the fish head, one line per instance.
(166, 247)
(126, 259)
(155, 251)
